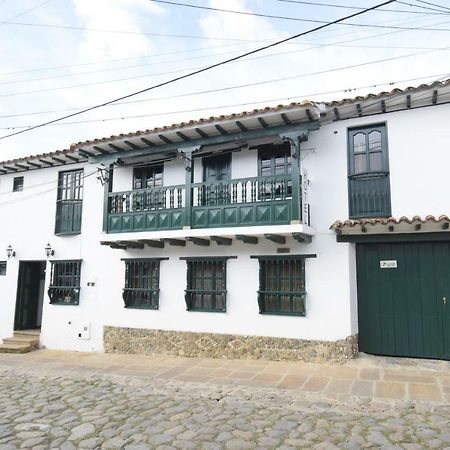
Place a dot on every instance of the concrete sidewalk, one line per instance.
(368, 380)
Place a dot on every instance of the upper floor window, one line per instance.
(148, 177)
(18, 184)
(368, 172)
(275, 162)
(64, 286)
(2, 268)
(69, 202)
(141, 283)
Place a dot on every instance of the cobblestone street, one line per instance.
(68, 408)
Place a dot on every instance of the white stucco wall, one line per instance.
(419, 163)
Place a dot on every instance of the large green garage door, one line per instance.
(404, 299)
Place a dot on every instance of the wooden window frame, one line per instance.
(368, 190)
(3, 267)
(193, 290)
(140, 287)
(64, 288)
(146, 167)
(18, 184)
(275, 297)
(68, 184)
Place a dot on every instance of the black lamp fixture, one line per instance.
(49, 251)
(10, 253)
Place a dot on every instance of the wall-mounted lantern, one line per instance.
(10, 253)
(49, 251)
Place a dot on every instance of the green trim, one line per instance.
(300, 314)
(145, 259)
(68, 233)
(439, 236)
(206, 258)
(283, 257)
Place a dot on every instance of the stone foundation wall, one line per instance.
(209, 345)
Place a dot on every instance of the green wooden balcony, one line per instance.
(226, 203)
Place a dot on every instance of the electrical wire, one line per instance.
(23, 13)
(333, 5)
(268, 16)
(204, 69)
(433, 4)
(120, 118)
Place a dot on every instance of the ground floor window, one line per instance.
(64, 286)
(206, 288)
(282, 284)
(141, 283)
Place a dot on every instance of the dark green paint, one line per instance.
(443, 236)
(369, 192)
(31, 274)
(402, 311)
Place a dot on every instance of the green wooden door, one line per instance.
(403, 299)
(216, 172)
(28, 290)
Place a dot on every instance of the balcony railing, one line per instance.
(236, 202)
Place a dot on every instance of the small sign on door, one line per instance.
(388, 264)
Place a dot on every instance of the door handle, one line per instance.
(444, 300)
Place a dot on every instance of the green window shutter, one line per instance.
(64, 288)
(69, 202)
(368, 172)
(141, 289)
(282, 284)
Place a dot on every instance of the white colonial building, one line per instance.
(289, 232)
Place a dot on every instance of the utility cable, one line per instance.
(334, 5)
(268, 16)
(433, 4)
(8, 21)
(204, 69)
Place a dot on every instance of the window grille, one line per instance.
(64, 286)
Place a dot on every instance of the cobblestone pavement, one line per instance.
(63, 407)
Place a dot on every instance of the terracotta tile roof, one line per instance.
(384, 94)
(309, 106)
(202, 121)
(388, 221)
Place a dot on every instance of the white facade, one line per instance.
(419, 160)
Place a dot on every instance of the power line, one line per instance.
(440, 11)
(204, 69)
(186, 36)
(270, 16)
(312, 45)
(228, 88)
(256, 57)
(333, 5)
(433, 4)
(107, 61)
(167, 113)
(24, 12)
(114, 80)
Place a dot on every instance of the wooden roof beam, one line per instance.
(263, 123)
(359, 109)
(183, 136)
(152, 243)
(286, 119)
(100, 150)
(241, 126)
(44, 161)
(13, 169)
(175, 242)
(165, 139)
(199, 241)
(116, 148)
(201, 133)
(247, 239)
(435, 97)
(278, 239)
(336, 114)
(58, 160)
(309, 115)
(219, 240)
(147, 142)
(221, 130)
(132, 145)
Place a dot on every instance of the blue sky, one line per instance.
(46, 72)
